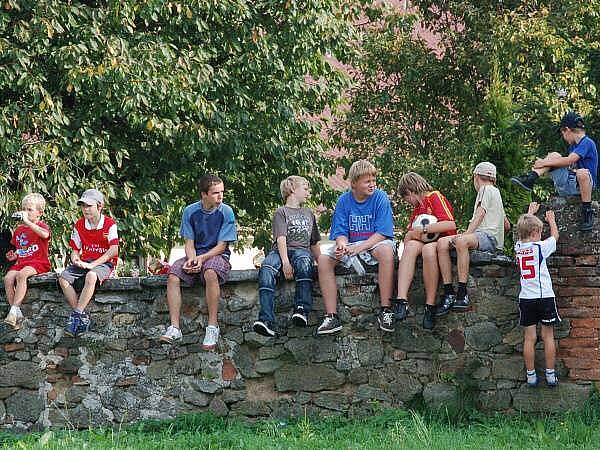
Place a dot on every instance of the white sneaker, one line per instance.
(171, 335)
(14, 320)
(210, 338)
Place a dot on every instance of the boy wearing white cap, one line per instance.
(95, 244)
(485, 233)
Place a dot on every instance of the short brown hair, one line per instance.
(207, 181)
(360, 168)
(287, 186)
(413, 182)
(34, 199)
(527, 225)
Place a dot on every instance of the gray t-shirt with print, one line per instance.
(298, 225)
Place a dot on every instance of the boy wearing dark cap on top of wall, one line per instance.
(574, 174)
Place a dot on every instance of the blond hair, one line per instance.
(360, 168)
(34, 199)
(527, 225)
(287, 186)
(412, 182)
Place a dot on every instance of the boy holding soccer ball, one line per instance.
(416, 191)
(485, 233)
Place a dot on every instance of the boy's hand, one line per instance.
(193, 265)
(288, 271)
(11, 255)
(539, 163)
(341, 249)
(415, 234)
(533, 208)
(550, 216)
(82, 264)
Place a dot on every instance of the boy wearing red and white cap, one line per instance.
(95, 248)
(485, 233)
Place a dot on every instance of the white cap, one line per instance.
(91, 197)
(486, 169)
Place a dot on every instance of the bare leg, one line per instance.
(529, 338)
(174, 299)
(9, 285)
(213, 292)
(549, 346)
(444, 261)
(91, 278)
(69, 292)
(21, 288)
(464, 243)
(545, 170)
(585, 184)
(406, 268)
(327, 282)
(431, 272)
(384, 254)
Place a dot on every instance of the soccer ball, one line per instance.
(426, 219)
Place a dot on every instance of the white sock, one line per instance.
(531, 376)
(14, 309)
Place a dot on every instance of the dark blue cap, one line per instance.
(572, 120)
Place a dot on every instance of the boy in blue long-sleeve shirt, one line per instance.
(362, 227)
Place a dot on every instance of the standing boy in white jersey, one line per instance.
(536, 300)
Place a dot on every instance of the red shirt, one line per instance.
(30, 247)
(91, 242)
(437, 205)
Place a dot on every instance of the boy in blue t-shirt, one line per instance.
(362, 228)
(208, 227)
(574, 174)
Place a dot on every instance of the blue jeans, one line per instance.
(302, 262)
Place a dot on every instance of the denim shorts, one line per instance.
(487, 242)
(565, 182)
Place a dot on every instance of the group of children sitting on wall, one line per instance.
(363, 233)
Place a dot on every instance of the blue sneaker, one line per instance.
(71, 329)
(84, 323)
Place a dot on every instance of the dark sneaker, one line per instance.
(461, 304)
(400, 308)
(331, 324)
(299, 317)
(84, 323)
(525, 181)
(428, 319)
(446, 305)
(587, 220)
(385, 318)
(72, 324)
(264, 328)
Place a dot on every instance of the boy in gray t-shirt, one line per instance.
(295, 245)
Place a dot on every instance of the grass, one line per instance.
(390, 429)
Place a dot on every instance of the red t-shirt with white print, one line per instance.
(92, 242)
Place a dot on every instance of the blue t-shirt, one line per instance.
(207, 228)
(359, 220)
(588, 157)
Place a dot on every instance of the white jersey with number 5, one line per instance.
(535, 278)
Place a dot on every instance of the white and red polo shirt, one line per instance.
(93, 242)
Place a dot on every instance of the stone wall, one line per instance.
(120, 373)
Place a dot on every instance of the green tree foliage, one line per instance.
(140, 98)
(492, 87)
